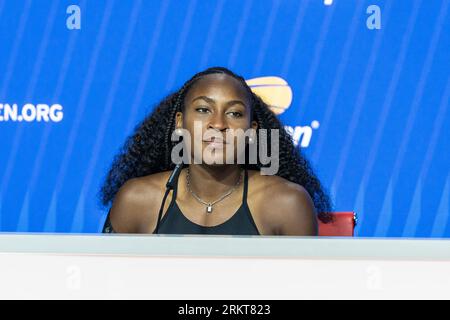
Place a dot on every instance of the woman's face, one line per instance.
(215, 104)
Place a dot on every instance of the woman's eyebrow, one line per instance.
(207, 99)
(230, 103)
(212, 101)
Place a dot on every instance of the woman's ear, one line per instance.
(252, 137)
(179, 123)
(254, 125)
(179, 120)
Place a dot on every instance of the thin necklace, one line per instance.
(209, 205)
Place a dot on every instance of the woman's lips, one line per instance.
(215, 143)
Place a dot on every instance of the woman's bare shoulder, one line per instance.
(135, 202)
(148, 183)
(279, 190)
(272, 183)
(283, 204)
(142, 189)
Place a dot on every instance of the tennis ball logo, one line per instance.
(274, 91)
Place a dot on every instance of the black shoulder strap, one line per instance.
(244, 197)
(107, 227)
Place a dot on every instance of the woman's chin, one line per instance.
(214, 161)
(217, 157)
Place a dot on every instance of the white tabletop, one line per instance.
(120, 266)
(228, 246)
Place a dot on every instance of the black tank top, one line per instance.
(241, 223)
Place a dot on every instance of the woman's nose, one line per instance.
(217, 122)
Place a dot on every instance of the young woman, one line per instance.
(211, 196)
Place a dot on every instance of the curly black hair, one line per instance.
(148, 149)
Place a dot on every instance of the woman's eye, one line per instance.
(202, 109)
(235, 114)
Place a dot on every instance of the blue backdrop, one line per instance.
(380, 98)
